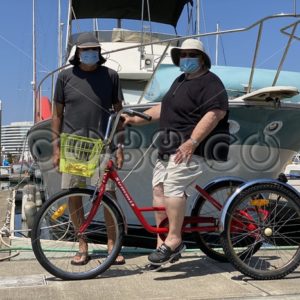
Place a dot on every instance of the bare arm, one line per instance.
(57, 117)
(207, 124)
(203, 128)
(120, 130)
(119, 138)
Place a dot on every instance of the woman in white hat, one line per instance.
(193, 128)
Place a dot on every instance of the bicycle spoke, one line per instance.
(209, 242)
(56, 241)
(271, 218)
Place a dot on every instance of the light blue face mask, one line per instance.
(89, 57)
(189, 64)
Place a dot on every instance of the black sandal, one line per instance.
(81, 262)
(120, 260)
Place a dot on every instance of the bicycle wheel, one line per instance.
(209, 242)
(269, 214)
(55, 242)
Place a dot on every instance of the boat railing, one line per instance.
(126, 35)
(293, 25)
(260, 24)
(292, 37)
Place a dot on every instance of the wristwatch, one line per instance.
(194, 142)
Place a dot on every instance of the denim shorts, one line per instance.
(176, 178)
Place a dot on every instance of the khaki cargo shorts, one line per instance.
(177, 178)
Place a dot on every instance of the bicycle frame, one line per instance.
(111, 173)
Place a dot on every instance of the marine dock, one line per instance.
(194, 277)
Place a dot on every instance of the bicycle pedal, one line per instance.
(175, 258)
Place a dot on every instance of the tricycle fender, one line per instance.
(244, 186)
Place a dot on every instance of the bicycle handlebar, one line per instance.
(115, 118)
(133, 113)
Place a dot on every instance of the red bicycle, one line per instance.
(248, 228)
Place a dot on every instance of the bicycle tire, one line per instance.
(209, 243)
(55, 243)
(273, 219)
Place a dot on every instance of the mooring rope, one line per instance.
(5, 231)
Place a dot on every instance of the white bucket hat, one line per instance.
(190, 44)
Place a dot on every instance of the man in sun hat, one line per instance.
(84, 97)
(193, 128)
(89, 42)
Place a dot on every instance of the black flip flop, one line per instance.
(121, 262)
(118, 263)
(81, 262)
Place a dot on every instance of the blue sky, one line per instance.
(16, 42)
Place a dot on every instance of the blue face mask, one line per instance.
(89, 57)
(189, 64)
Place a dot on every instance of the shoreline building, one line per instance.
(13, 140)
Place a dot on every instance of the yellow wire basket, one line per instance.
(79, 155)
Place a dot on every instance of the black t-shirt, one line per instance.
(88, 98)
(186, 102)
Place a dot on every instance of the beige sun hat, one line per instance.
(190, 44)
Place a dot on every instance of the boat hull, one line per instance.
(263, 139)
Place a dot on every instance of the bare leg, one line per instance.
(175, 208)
(158, 200)
(77, 217)
(111, 232)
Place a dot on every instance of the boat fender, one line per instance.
(18, 196)
(24, 201)
(30, 212)
(29, 191)
(38, 199)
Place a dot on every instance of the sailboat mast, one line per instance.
(217, 45)
(198, 16)
(59, 28)
(69, 25)
(95, 25)
(35, 96)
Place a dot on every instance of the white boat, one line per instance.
(292, 171)
(5, 172)
(264, 104)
